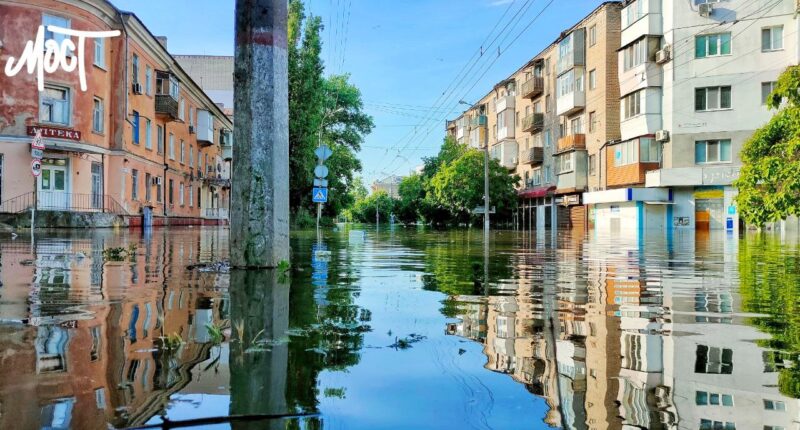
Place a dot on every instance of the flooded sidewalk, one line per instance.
(400, 328)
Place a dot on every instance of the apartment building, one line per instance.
(143, 142)
(693, 80)
(389, 185)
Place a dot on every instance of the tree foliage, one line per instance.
(769, 183)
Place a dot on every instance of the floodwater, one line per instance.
(401, 328)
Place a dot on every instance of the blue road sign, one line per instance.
(320, 195)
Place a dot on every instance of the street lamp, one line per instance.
(485, 175)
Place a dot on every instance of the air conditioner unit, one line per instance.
(663, 55)
(137, 88)
(706, 9)
(662, 135)
(191, 129)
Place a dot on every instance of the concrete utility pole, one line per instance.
(486, 184)
(260, 179)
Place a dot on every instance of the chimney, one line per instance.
(162, 40)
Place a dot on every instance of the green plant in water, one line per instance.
(120, 253)
(172, 342)
(215, 331)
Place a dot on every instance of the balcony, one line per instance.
(533, 156)
(574, 48)
(167, 105)
(477, 138)
(504, 103)
(478, 121)
(506, 153)
(571, 103)
(205, 128)
(641, 18)
(533, 87)
(533, 123)
(571, 142)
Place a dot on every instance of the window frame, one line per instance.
(136, 123)
(67, 104)
(99, 46)
(765, 96)
(719, 144)
(720, 43)
(98, 123)
(771, 30)
(720, 92)
(134, 184)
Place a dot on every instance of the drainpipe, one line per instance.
(164, 183)
(103, 180)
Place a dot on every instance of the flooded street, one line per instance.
(401, 328)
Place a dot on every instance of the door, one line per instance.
(709, 214)
(97, 186)
(52, 187)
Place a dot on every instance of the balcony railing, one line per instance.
(166, 105)
(533, 87)
(573, 141)
(215, 213)
(532, 156)
(58, 201)
(533, 123)
(478, 121)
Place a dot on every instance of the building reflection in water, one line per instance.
(646, 336)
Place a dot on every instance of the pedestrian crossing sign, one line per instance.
(320, 195)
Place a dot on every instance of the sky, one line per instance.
(413, 60)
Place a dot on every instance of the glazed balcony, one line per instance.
(533, 87)
(478, 121)
(533, 156)
(533, 123)
(572, 142)
(504, 103)
(506, 153)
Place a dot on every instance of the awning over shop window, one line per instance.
(533, 193)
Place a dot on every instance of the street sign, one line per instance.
(321, 171)
(320, 195)
(37, 140)
(320, 182)
(37, 153)
(36, 167)
(323, 152)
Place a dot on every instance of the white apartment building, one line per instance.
(694, 75)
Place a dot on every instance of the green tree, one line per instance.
(412, 197)
(365, 210)
(769, 183)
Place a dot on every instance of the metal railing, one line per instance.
(58, 201)
(215, 213)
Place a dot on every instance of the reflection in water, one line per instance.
(567, 332)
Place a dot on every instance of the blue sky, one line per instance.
(403, 55)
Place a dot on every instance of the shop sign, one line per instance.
(55, 133)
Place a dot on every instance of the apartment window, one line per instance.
(766, 89)
(649, 151)
(134, 184)
(100, 52)
(576, 125)
(97, 116)
(148, 194)
(592, 161)
(547, 137)
(716, 425)
(135, 69)
(159, 196)
(632, 105)
(570, 82)
(182, 194)
(713, 360)
(547, 103)
(592, 35)
(191, 156)
(564, 163)
(592, 79)
(626, 153)
(712, 98)
(537, 177)
(774, 428)
(772, 38)
(160, 139)
(135, 128)
(148, 134)
(171, 147)
(55, 21)
(171, 191)
(633, 12)
(774, 405)
(712, 45)
(635, 54)
(712, 151)
(183, 152)
(191, 196)
(182, 110)
(191, 116)
(148, 80)
(704, 398)
(547, 175)
(592, 121)
(54, 105)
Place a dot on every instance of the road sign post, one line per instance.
(37, 153)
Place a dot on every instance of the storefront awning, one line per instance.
(533, 193)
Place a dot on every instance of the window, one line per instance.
(766, 89)
(774, 428)
(633, 12)
(649, 150)
(191, 196)
(58, 22)
(148, 80)
(772, 38)
(100, 52)
(171, 147)
(547, 175)
(182, 110)
(712, 151)
(569, 82)
(714, 360)
(547, 139)
(712, 98)
(592, 121)
(537, 177)
(547, 103)
(774, 405)
(632, 105)
(135, 128)
(634, 54)
(626, 153)
(576, 125)
(191, 116)
(716, 425)
(183, 152)
(564, 163)
(135, 69)
(592, 161)
(148, 194)
(54, 105)
(148, 134)
(171, 191)
(592, 35)
(592, 79)
(191, 156)
(134, 184)
(703, 398)
(97, 116)
(182, 193)
(158, 190)
(160, 139)
(712, 45)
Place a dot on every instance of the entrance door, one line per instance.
(709, 214)
(97, 186)
(52, 187)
